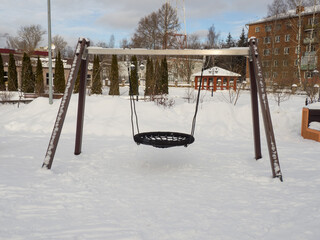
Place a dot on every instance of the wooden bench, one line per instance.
(310, 115)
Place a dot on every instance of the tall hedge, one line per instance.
(27, 76)
(12, 74)
(150, 83)
(2, 83)
(164, 77)
(134, 87)
(59, 81)
(114, 77)
(39, 89)
(96, 87)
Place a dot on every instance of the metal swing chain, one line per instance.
(198, 97)
(132, 104)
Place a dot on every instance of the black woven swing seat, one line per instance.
(164, 139)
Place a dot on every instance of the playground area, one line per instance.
(213, 189)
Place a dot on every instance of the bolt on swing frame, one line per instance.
(258, 88)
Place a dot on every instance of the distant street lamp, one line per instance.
(50, 53)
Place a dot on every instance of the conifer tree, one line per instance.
(2, 83)
(157, 77)
(114, 77)
(242, 61)
(59, 79)
(134, 88)
(27, 76)
(12, 74)
(77, 83)
(39, 89)
(164, 77)
(149, 78)
(96, 87)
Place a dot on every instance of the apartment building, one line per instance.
(288, 44)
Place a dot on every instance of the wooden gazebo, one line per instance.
(217, 78)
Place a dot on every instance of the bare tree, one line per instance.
(111, 41)
(28, 38)
(147, 33)
(158, 29)
(60, 45)
(168, 25)
(277, 7)
(212, 42)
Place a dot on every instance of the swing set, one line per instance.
(166, 139)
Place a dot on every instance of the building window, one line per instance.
(275, 74)
(311, 48)
(268, 28)
(288, 24)
(257, 29)
(285, 63)
(284, 74)
(296, 62)
(265, 63)
(307, 74)
(267, 40)
(5, 76)
(287, 38)
(266, 52)
(278, 26)
(276, 51)
(47, 78)
(298, 49)
(266, 74)
(286, 50)
(277, 39)
(275, 63)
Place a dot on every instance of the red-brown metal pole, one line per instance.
(56, 132)
(81, 104)
(255, 111)
(265, 110)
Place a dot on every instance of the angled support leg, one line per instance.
(255, 111)
(81, 103)
(56, 132)
(264, 104)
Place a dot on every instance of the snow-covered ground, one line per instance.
(116, 190)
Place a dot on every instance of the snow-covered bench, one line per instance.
(310, 125)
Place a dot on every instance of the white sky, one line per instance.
(99, 19)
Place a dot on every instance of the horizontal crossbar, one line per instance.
(239, 51)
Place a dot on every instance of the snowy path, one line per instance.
(213, 189)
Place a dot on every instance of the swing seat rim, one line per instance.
(164, 139)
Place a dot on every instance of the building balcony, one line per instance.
(312, 40)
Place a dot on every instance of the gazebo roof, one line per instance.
(217, 71)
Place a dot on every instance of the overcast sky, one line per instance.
(99, 19)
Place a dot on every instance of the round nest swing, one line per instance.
(163, 139)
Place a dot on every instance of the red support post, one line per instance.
(81, 104)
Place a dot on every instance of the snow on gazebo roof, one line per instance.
(217, 71)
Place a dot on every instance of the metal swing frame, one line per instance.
(257, 83)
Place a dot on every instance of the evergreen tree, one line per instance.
(59, 79)
(242, 61)
(2, 83)
(96, 87)
(27, 76)
(134, 88)
(157, 77)
(230, 42)
(243, 40)
(114, 77)
(164, 77)
(12, 74)
(77, 83)
(150, 86)
(39, 89)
